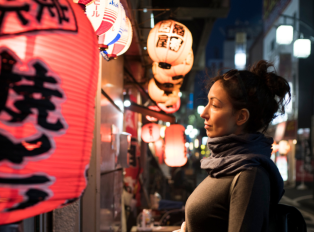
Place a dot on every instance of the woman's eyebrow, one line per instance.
(215, 98)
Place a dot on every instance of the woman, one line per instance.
(241, 104)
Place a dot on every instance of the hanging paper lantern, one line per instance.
(85, 2)
(103, 14)
(118, 46)
(47, 99)
(95, 12)
(175, 150)
(169, 87)
(150, 132)
(162, 96)
(113, 34)
(169, 43)
(152, 119)
(173, 77)
(129, 39)
(170, 109)
(159, 150)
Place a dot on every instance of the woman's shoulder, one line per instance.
(255, 174)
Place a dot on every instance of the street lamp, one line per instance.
(284, 34)
(302, 48)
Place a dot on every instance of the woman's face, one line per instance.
(220, 118)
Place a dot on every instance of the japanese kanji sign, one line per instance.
(46, 105)
(37, 15)
(169, 43)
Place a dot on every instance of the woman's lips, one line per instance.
(207, 126)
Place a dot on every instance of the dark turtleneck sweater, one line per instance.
(208, 207)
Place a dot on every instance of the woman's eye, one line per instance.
(215, 106)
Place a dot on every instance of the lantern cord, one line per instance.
(141, 88)
(111, 101)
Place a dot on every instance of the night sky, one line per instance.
(243, 11)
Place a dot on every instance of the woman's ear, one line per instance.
(243, 116)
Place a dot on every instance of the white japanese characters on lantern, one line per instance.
(169, 43)
(113, 34)
(175, 74)
(162, 96)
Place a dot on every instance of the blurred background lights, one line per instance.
(200, 109)
(204, 140)
(162, 131)
(191, 146)
(196, 143)
(127, 103)
(187, 144)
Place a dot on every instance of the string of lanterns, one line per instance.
(169, 45)
(112, 26)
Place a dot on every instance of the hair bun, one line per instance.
(276, 84)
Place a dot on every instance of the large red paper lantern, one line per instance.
(161, 96)
(159, 150)
(175, 150)
(48, 80)
(173, 77)
(150, 132)
(113, 34)
(169, 43)
(170, 108)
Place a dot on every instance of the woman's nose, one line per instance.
(204, 114)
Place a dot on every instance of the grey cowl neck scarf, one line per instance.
(234, 153)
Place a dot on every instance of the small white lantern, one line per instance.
(284, 34)
(302, 48)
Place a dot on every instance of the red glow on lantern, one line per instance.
(30, 146)
(150, 132)
(175, 150)
(47, 106)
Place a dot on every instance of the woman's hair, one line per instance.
(260, 91)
